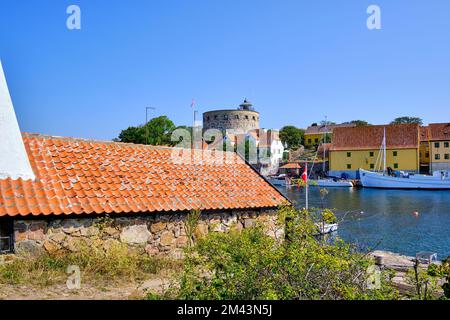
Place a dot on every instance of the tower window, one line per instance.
(236, 116)
(225, 116)
(215, 117)
(246, 117)
(254, 118)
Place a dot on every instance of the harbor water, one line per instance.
(401, 221)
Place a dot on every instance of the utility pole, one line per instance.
(146, 121)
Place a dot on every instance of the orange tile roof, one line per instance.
(320, 129)
(291, 166)
(75, 176)
(439, 131)
(402, 136)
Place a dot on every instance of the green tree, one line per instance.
(360, 123)
(402, 120)
(155, 132)
(292, 136)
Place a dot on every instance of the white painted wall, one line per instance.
(14, 161)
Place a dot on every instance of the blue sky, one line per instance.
(296, 60)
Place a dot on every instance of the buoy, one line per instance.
(416, 213)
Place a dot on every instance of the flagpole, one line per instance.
(307, 188)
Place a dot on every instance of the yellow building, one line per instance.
(359, 147)
(435, 146)
(314, 135)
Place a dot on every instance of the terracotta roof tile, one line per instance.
(402, 136)
(439, 131)
(77, 176)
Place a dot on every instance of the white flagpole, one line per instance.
(307, 187)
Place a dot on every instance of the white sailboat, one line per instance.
(440, 180)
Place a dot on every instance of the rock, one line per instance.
(111, 232)
(58, 237)
(248, 223)
(137, 234)
(51, 247)
(201, 231)
(158, 226)
(29, 248)
(182, 241)
(37, 235)
(89, 232)
(167, 238)
(151, 250)
(20, 235)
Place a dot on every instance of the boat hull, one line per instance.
(331, 183)
(415, 182)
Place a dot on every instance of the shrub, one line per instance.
(250, 265)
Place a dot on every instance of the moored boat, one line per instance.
(325, 228)
(331, 183)
(440, 180)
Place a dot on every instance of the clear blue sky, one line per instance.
(296, 60)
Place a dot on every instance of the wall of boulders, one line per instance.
(154, 234)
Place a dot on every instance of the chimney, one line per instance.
(14, 162)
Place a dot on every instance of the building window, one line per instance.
(447, 156)
(371, 153)
(236, 116)
(207, 118)
(6, 236)
(437, 144)
(215, 117)
(372, 166)
(349, 166)
(225, 117)
(309, 141)
(349, 154)
(394, 153)
(437, 156)
(246, 117)
(427, 154)
(446, 144)
(316, 140)
(395, 165)
(254, 118)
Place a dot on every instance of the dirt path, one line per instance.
(99, 291)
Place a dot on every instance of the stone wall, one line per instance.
(227, 120)
(153, 233)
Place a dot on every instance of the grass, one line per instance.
(118, 263)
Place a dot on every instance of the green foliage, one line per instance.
(292, 136)
(191, 223)
(442, 272)
(248, 264)
(402, 120)
(360, 123)
(155, 132)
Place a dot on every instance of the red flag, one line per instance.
(305, 173)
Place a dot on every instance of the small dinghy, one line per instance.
(325, 228)
(331, 183)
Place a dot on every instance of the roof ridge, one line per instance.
(109, 142)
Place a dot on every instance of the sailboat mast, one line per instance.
(384, 151)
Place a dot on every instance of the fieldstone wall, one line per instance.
(244, 120)
(153, 233)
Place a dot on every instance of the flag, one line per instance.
(193, 104)
(305, 173)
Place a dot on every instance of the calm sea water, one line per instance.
(384, 219)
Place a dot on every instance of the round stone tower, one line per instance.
(245, 118)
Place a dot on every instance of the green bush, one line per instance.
(250, 265)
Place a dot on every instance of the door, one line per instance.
(6, 235)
